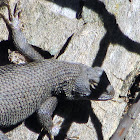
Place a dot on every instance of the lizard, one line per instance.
(35, 86)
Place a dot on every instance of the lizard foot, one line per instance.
(13, 20)
(55, 129)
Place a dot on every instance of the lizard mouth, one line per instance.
(108, 94)
(81, 96)
(99, 94)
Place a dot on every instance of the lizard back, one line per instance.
(24, 87)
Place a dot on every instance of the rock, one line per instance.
(107, 35)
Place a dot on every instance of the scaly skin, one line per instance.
(34, 87)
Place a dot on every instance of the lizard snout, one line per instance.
(108, 94)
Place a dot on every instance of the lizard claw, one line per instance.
(17, 10)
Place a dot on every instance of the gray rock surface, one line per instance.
(107, 35)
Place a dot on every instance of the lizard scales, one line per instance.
(34, 87)
(25, 87)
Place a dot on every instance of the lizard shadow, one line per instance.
(113, 34)
(77, 111)
(75, 5)
(8, 44)
(4, 46)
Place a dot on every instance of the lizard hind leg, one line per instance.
(44, 115)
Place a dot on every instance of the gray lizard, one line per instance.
(34, 87)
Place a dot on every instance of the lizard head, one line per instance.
(93, 84)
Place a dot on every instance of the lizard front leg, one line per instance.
(19, 40)
(45, 116)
